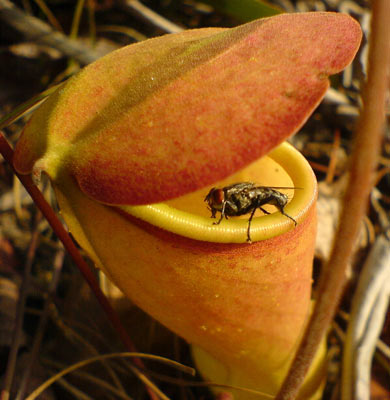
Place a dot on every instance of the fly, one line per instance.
(244, 198)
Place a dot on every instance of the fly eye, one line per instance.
(218, 196)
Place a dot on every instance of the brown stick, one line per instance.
(363, 161)
(7, 152)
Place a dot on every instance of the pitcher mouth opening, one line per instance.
(189, 216)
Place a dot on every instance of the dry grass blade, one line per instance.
(80, 364)
(49, 15)
(11, 365)
(148, 15)
(58, 262)
(91, 378)
(369, 309)
(26, 107)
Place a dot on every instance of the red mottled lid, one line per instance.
(170, 115)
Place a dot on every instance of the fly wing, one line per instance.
(277, 187)
(238, 188)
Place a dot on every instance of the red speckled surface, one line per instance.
(167, 116)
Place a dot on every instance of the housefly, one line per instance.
(244, 198)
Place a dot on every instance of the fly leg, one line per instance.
(264, 210)
(288, 216)
(222, 214)
(248, 232)
(280, 205)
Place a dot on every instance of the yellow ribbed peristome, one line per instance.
(187, 216)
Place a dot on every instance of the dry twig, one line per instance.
(364, 158)
(36, 30)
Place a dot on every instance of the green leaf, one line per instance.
(245, 10)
